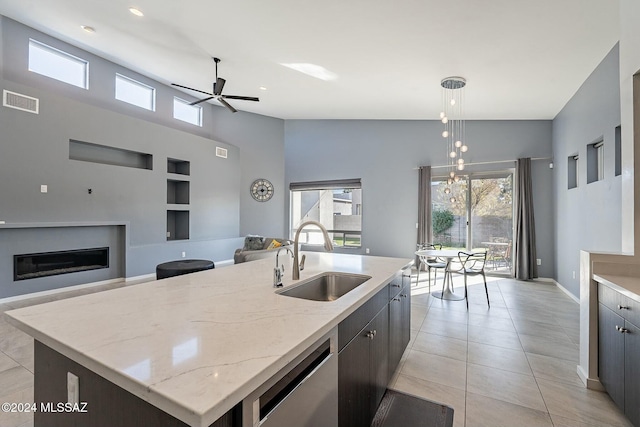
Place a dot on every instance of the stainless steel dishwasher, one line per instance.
(303, 394)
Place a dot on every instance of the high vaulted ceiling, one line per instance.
(522, 59)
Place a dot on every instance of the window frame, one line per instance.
(43, 47)
(139, 84)
(332, 185)
(187, 103)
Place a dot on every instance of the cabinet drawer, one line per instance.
(349, 327)
(620, 304)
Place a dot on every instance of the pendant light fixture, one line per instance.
(454, 127)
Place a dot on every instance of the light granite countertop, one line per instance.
(196, 345)
(628, 286)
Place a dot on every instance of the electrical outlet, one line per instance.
(73, 389)
(366, 251)
(184, 254)
(44, 188)
(574, 274)
(168, 234)
(539, 261)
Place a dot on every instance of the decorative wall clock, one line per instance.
(261, 190)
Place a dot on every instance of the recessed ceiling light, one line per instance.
(136, 11)
(263, 88)
(312, 70)
(88, 29)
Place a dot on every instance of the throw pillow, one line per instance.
(253, 243)
(274, 244)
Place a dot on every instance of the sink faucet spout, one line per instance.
(328, 245)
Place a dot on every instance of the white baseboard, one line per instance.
(224, 263)
(150, 276)
(562, 288)
(590, 383)
(59, 290)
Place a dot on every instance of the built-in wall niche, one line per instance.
(177, 192)
(618, 151)
(595, 162)
(177, 225)
(572, 171)
(180, 167)
(96, 153)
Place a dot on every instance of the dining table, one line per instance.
(448, 255)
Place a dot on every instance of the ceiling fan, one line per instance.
(217, 94)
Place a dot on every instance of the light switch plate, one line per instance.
(44, 188)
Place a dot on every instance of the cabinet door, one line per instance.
(379, 358)
(611, 354)
(632, 373)
(405, 330)
(396, 335)
(354, 383)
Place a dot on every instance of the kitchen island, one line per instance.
(194, 346)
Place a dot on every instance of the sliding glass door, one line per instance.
(476, 214)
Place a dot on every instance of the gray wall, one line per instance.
(587, 217)
(34, 151)
(385, 154)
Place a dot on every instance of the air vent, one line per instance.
(221, 152)
(20, 102)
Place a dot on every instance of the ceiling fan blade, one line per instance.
(190, 88)
(218, 85)
(201, 100)
(226, 104)
(244, 98)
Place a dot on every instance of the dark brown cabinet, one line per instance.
(399, 323)
(619, 350)
(369, 357)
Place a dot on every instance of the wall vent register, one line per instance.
(20, 102)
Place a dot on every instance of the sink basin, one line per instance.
(326, 286)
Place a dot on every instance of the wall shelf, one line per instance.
(178, 199)
(177, 192)
(96, 153)
(180, 167)
(177, 225)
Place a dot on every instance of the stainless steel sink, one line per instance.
(325, 287)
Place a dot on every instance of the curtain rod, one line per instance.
(488, 163)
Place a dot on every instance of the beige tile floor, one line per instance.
(513, 364)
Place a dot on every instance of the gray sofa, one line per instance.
(250, 253)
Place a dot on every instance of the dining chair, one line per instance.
(472, 264)
(431, 263)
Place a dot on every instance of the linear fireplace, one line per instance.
(31, 266)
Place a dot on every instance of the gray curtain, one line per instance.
(424, 206)
(525, 267)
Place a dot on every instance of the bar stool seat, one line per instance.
(180, 267)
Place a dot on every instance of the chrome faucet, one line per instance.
(278, 271)
(328, 246)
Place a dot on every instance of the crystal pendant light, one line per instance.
(454, 127)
